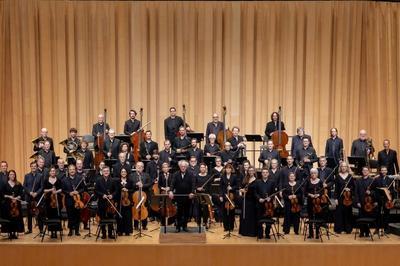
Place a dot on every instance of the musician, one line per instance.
(164, 179)
(214, 127)
(325, 173)
(13, 193)
(154, 166)
(141, 181)
(313, 189)
(182, 184)
(172, 125)
(275, 172)
(39, 142)
(193, 168)
(52, 188)
(124, 183)
(300, 174)
(297, 141)
(111, 145)
(237, 141)
(217, 170)
(361, 147)
(98, 128)
(264, 187)
(61, 169)
(147, 146)
(248, 219)
(202, 184)
(132, 125)
(211, 148)
(72, 140)
(273, 125)
(388, 157)
(181, 144)
(124, 148)
(3, 174)
(167, 155)
(343, 214)
(33, 189)
(105, 192)
(362, 190)
(195, 151)
(79, 169)
(293, 191)
(72, 185)
(47, 154)
(383, 182)
(41, 168)
(268, 154)
(306, 156)
(87, 155)
(229, 185)
(227, 155)
(334, 147)
(122, 163)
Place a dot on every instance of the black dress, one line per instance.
(53, 213)
(16, 223)
(124, 224)
(248, 218)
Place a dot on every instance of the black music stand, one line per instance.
(209, 161)
(198, 136)
(359, 162)
(254, 138)
(110, 162)
(124, 138)
(331, 162)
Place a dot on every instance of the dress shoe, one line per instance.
(103, 237)
(70, 233)
(185, 229)
(177, 230)
(77, 233)
(111, 237)
(28, 232)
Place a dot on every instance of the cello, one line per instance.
(280, 138)
(99, 155)
(226, 133)
(139, 213)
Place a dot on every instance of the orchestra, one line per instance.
(181, 183)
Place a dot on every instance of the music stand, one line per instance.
(139, 207)
(359, 162)
(209, 161)
(110, 162)
(253, 138)
(124, 138)
(198, 136)
(203, 198)
(373, 164)
(331, 162)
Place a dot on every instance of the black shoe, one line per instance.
(103, 237)
(268, 237)
(185, 229)
(317, 237)
(28, 232)
(70, 233)
(111, 237)
(144, 228)
(15, 236)
(177, 230)
(77, 233)
(296, 233)
(310, 237)
(119, 233)
(136, 228)
(127, 234)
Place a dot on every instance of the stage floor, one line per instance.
(292, 250)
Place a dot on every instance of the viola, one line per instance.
(14, 211)
(347, 199)
(125, 198)
(78, 202)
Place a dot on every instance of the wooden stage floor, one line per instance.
(292, 250)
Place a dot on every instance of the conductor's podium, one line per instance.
(193, 236)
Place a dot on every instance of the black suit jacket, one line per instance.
(99, 129)
(212, 128)
(235, 142)
(147, 148)
(334, 148)
(131, 126)
(271, 127)
(181, 185)
(389, 160)
(171, 127)
(114, 147)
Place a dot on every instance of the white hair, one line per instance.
(183, 163)
(212, 135)
(314, 170)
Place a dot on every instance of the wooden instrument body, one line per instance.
(141, 213)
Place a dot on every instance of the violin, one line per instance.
(111, 207)
(269, 205)
(368, 202)
(125, 198)
(14, 211)
(34, 209)
(78, 202)
(228, 204)
(294, 203)
(347, 198)
(317, 208)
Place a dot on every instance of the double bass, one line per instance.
(280, 138)
(99, 155)
(226, 133)
(136, 139)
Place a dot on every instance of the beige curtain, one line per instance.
(328, 64)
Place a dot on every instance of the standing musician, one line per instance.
(248, 219)
(72, 141)
(164, 184)
(214, 127)
(273, 125)
(211, 148)
(344, 191)
(125, 149)
(106, 194)
(122, 163)
(306, 156)
(195, 151)
(365, 199)
(237, 141)
(172, 124)
(41, 169)
(297, 141)
(38, 143)
(181, 144)
(13, 193)
(325, 173)
(153, 166)
(141, 180)
(33, 189)
(264, 187)
(334, 147)
(183, 185)
(299, 173)
(148, 146)
(361, 147)
(275, 173)
(131, 125)
(61, 169)
(193, 168)
(167, 155)
(268, 154)
(228, 188)
(315, 209)
(98, 128)
(202, 183)
(72, 186)
(293, 198)
(111, 145)
(48, 155)
(52, 188)
(228, 156)
(124, 190)
(3, 174)
(388, 157)
(87, 155)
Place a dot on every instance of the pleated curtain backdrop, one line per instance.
(328, 64)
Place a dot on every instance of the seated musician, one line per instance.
(72, 185)
(88, 161)
(111, 145)
(131, 125)
(306, 155)
(106, 194)
(172, 124)
(124, 190)
(181, 144)
(211, 148)
(228, 188)
(237, 142)
(344, 183)
(214, 127)
(48, 155)
(148, 146)
(202, 185)
(52, 188)
(13, 193)
(362, 191)
(39, 142)
(268, 154)
(33, 189)
(313, 189)
(195, 151)
(273, 125)
(227, 155)
(297, 141)
(194, 166)
(264, 187)
(141, 181)
(293, 198)
(125, 149)
(122, 163)
(334, 147)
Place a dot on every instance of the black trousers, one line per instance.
(290, 219)
(183, 211)
(103, 214)
(228, 218)
(30, 216)
(74, 218)
(343, 218)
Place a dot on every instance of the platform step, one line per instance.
(169, 236)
